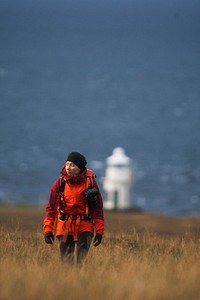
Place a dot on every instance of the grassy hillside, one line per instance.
(143, 256)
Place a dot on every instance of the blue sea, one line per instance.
(92, 75)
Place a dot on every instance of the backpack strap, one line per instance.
(89, 182)
(62, 184)
(61, 190)
(90, 176)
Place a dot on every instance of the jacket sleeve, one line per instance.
(51, 208)
(98, 213)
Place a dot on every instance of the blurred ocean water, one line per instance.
(90, 76)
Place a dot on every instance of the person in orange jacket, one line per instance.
(75, 209)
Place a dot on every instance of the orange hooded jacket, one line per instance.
(75, 204)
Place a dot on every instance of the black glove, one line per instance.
(97, 239)
(49, 238)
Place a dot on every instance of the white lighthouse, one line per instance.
(118, 180)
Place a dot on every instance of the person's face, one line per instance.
(71, 169)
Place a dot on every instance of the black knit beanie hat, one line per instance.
(78, 159)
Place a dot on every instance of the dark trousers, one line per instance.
(67, 249)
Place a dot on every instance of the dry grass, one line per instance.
(137, 260)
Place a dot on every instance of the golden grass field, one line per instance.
(143, 256)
